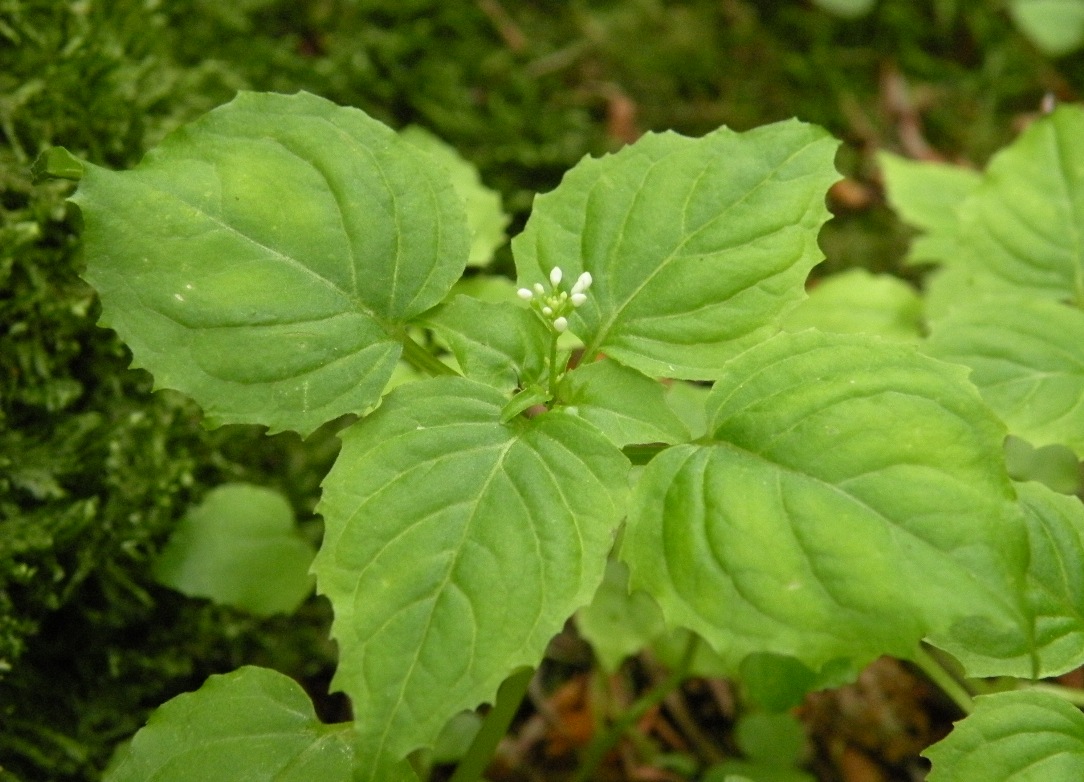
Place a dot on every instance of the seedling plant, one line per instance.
(833, 498)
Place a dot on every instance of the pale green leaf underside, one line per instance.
(1027, 358)
(253, 724)
(857, 302)
(261, 258)
(627, 406)
(696, 246)
(1025, 222)
(853, 501)
(1013, 737)
(1056, 26)
(455, 548)
(485, 216)
(928, 196)
(503, 345)
(618, 623)
(239, 547)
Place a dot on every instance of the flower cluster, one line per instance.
(557, 304)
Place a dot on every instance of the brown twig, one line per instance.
(505, 25)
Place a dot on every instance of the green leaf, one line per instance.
(1012, 737)
(264, 257)
(239, 547)
(455, 548)
(618, 623)
(501, 345)
(1055, 525)
(776, 683)
(953, 286)
(1056, 466)
(688, 401)
(487, 287)
(853, 500)
(1022, 223)
(627, 406)
(670, 650)
(696, 246)
(857, 302)
(485, 216)
(252, 724)
(1027, 359)
(928, 196)
(776, 740)
(1056, 26)
(57, 162)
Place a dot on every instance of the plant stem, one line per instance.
(602, 743)
(1071, 694)
(553, 367)
(494, 727)
(943, 679)
(422, 360)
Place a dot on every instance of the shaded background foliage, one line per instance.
(95, 469)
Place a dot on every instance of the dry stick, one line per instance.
(679, 710)
(602, 743)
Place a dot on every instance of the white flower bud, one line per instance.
(525, 293)
(560, 325)
(578, 299)
(583, 283)
(547, 311)
(539, 289)
(555, 276)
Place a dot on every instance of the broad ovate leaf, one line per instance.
(485, 216)
(253, 724)
(1056, 26)
(455, 548)
(1027, 358)
(696, 246)
(497, 343)
(851, 500)
(928, 196)
(857, 302)
(1022, 224)
(263, 258)
(1013, 737)
(626, 405)
(239, 547)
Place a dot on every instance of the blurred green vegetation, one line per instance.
(95, 469)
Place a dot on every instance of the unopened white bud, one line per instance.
(560, 325)
(583, 283)
(525, 293)
(547, 311)
(578, 299)
(555, 276)
(539, 289)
